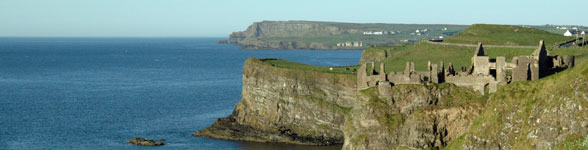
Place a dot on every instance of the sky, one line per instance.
(218, 18)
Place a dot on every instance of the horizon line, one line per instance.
(112, 37)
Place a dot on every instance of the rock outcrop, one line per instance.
(549, 113)
(288, 106)
(145, 142)
(410, 116)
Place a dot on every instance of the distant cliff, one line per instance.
(332, 35)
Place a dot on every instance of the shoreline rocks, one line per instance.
(145, 142)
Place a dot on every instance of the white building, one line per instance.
(583, 33)
(378, 33)
(568, 33)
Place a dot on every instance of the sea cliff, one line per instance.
(307, 107)
(288, 105)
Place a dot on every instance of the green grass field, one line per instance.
(422, 52)
(294, 65)
(506, 35)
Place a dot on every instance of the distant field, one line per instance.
(506, 35)
(553, 29)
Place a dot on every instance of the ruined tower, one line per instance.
(480, 63)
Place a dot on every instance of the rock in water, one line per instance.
(145, 142)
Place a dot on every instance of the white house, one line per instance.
(378, 33)
(568, 33)
(583, 33)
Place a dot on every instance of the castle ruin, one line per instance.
(484, 75)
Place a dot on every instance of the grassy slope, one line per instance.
(421, 53)
(546, 93)
(506, 35)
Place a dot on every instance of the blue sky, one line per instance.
(218, 18)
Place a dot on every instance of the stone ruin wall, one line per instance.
(485, 75)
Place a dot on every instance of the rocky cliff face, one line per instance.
(545, 114)
(412, 116)
(287, 105)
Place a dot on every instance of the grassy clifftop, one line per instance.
(300, 66)
(505, 35)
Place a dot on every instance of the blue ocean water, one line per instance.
(97, 93)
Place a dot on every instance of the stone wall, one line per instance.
(485, 75)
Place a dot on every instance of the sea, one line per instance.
(97, 93)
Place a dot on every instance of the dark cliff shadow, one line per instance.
(258, 146)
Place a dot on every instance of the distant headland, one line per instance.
(338, 35)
